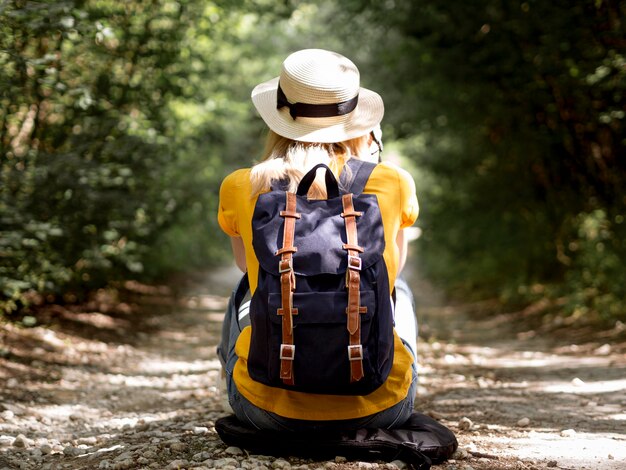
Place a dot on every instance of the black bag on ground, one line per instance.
(420, 442)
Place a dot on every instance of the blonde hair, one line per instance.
(287, 159)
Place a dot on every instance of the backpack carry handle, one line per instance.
(332, 187)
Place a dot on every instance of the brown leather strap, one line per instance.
(353, 284)
(287, 287)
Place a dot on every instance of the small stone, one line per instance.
(177, 464)
(603, 350)
(104, 464)
(7, 415)
(200, 430)
(22, 441)
(150, 454)
(69, 451)
(46, 449)
(523, 422)
(124, 456)
(460, 454)
(281, 464)
(367, 465)
(178, 446)
(124, 464)
(577, 382)
(610, 457)
(90, 441)
(399, 463)
(552, 463)
(340, 459)
(142, 425)
(201, 456)
(465, 424)
(228, 461)
(233, 451)
(568, 433)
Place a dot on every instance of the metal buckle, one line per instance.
(355, 347)
(285, 269)
(287, 351)
(357, 260)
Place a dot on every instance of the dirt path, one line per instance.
(533, 399)
(136, 386)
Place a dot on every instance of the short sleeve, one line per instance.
(227, 213)
(409, 207)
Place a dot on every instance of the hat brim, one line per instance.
(365, 117)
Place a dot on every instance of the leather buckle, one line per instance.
(287, 351)
(285, 265)
(354, 262)
(355, 348)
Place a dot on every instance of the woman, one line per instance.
(317, 112)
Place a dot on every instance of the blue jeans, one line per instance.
(258, 418)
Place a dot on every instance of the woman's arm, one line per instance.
(239, 252)
(403, 242)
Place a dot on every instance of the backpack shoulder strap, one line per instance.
(360, 171)
(240, 292)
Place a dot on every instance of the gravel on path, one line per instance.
(132, 382)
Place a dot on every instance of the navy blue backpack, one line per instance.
(322, 319)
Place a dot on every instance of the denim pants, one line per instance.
(406, 327)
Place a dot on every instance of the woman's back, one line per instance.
(317, 113)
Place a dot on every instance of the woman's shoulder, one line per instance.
(238, 179)
(391, 170)
(389, 175)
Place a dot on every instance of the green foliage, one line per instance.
(85, 157)
(118, 120)
(514, 113)
(116, 125)
(595, 280)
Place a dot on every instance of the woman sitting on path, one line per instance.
(317, 112)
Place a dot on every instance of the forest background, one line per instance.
(118, 121)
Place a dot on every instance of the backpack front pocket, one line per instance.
(321, 339)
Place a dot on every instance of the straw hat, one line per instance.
(318, 98)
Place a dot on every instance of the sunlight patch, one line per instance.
(159, 365)
(582, 450)
(578, 386)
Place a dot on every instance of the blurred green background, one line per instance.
(119, 119)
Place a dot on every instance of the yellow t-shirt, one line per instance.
(395, 191)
